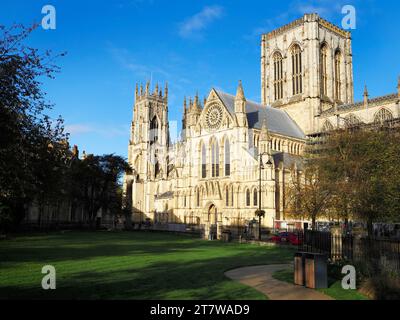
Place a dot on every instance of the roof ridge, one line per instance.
(278, 120)
(247, 100)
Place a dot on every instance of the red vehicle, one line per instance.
(287, 237)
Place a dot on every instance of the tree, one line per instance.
(362, 167)
(50, 166)
(334, 161)
(25, 131)
(95, 183)
(36, 164)
(309, 195)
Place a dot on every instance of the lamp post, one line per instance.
(259, 212)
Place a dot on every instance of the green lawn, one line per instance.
(335, 289)
(129, 265)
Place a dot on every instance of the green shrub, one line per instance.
(382, 287)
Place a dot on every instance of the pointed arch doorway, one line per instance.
(212, 214)
(214, 223)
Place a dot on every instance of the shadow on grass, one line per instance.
(80, 245)
(167, 280)
(149, 266)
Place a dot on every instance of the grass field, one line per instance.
(335, 289)
(128, 265)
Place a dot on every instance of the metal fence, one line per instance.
(176, 227)
(236, 232)
(381, 253)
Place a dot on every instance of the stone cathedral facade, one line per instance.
(212, 176)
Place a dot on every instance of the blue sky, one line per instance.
(194, 45)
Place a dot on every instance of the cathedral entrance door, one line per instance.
(212, 214)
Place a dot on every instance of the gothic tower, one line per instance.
(306, 68)
(148, 149)
(191, 116)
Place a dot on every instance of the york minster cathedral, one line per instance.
(235, 155)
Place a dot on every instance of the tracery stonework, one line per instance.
(214, 117)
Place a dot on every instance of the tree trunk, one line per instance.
(370, 228)
(346, 224)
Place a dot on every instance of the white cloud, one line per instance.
(107, 131)
(76, 129)
(198, 22)
(172, 69)
(127, 61)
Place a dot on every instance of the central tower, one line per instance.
(306, 68)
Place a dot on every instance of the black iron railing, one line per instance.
(366, 251)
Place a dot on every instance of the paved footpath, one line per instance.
(260, 278)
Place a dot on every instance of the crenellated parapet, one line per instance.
(312, 17)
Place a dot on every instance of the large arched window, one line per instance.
(323, 69)
(203, 161)
(157, 169)
(198, 198)
(338, 84)
(227, 158)
(278, 76)
(248, 197)
(297, 84)
(255, 197)
(232, 197)
(383, 116)
(226, 196)
(201, 194)
(153, 130)
(352, 120)
(215, 158)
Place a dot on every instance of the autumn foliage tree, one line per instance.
(352, 174)
(309, 195)
(362, 166)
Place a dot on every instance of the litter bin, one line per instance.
(316, 273)
(299, 268)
